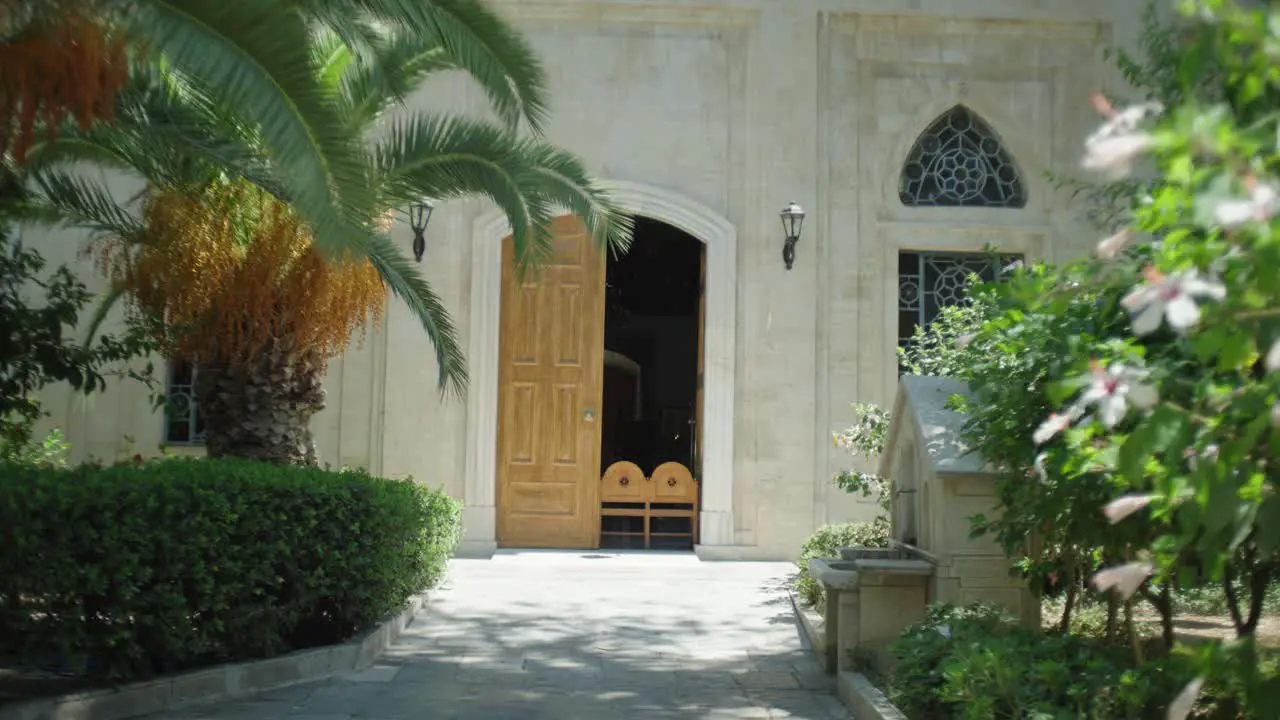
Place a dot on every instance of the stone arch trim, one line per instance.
(719, 351)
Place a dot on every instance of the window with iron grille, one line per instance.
(183, 423)
(930, 281)
(959, 161)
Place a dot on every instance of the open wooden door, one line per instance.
(551, 375)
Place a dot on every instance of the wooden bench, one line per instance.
(671, 492)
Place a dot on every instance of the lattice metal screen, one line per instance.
(930, 281)
(960, 162)
(184, 425)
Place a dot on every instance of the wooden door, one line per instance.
(551, 376)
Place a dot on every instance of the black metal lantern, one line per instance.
(792, 221)
(419, 216)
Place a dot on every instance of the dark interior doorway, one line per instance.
(651, 340)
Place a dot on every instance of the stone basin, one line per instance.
(870, 553)
(830, 573)
(843, 573)
(888, 561)
(871, 595)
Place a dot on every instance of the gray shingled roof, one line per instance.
(938, 425)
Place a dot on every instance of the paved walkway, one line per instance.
(564, 636)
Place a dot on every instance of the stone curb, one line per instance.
(222, 682)
(814, 629)
(864, 700)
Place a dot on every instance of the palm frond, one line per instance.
(254, 57)
(562, 180)
(369, 88)
(114, 294)
(361, 37)
(73, 201)
(331, 55)
(448, 157)
(169, 135)
(404, 279)
(482, 43)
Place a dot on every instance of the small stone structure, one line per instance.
(872, 595)
(938, 485)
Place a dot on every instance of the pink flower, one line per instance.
(1038, 468)
(1126, 505)
(1054, 425)
(1123, 579)
(1114, 156)
(1182, 705)
(1112, 390)
(1169, 298)
(1262, 203)
(1125, 120)
(1112, 246)
(1112, 148)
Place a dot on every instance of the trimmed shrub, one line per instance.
(137, 569)
(826, 543)
(976, 662)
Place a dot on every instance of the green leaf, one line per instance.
(1209, 341)
(1156, 433)
(1238, 350)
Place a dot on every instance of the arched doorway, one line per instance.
(653, 300)
(563, 417)
(716, 525)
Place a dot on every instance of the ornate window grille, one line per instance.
(183, 422)
(930, 281)
(959, 161)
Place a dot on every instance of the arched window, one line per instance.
(960, 162)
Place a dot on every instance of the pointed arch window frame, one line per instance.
(960, 161)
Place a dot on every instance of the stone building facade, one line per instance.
(909, 130)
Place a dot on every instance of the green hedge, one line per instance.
(132, 570)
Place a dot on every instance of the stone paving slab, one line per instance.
(564, 636)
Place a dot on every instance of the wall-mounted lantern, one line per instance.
(419, 216)
(792, 222)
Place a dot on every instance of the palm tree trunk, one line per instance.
(262, 409)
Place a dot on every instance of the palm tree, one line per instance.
(220, 252)
(254, 58)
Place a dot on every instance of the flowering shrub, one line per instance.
(944, 349)
(1175, 414)
(1132, 399)
(864, 440)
